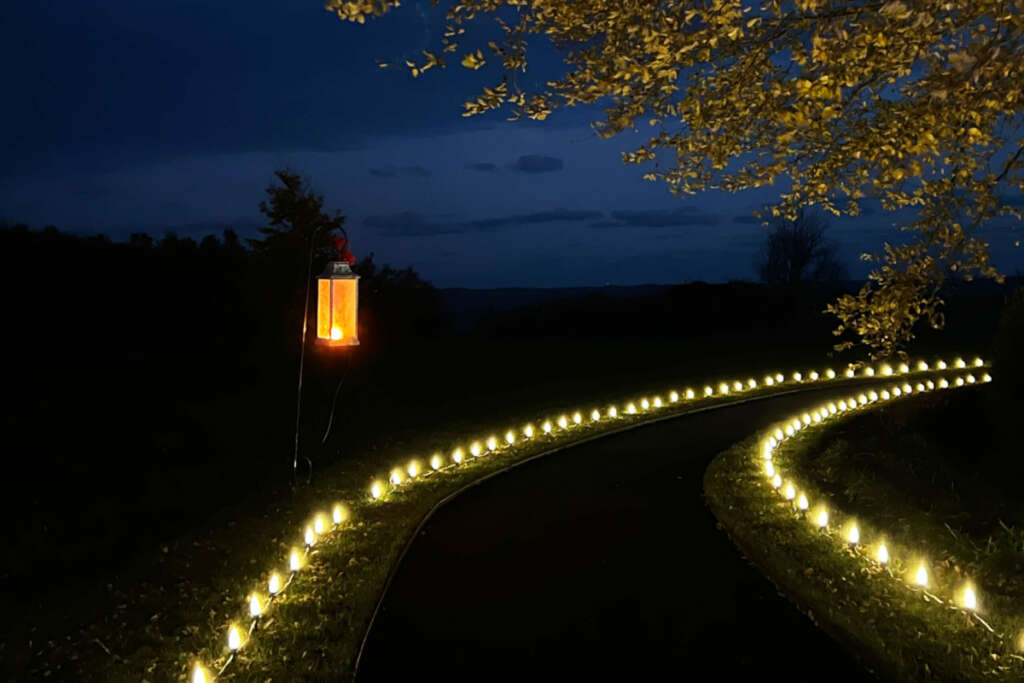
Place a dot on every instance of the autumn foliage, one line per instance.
(915, 104)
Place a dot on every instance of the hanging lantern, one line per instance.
(337, 302)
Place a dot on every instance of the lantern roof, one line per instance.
(338, 269)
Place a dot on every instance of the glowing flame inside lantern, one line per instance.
(336, 334)
(921, 577)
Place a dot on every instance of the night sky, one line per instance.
(127, 116)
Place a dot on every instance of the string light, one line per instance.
(968, 599)
(474, 449)
(708, 391)
(528, 431)
(723, 388)
(869, 371)
(689, 393)
(943, 384)
(802, 502)
(921, 577)
(310, 537)
(631, 409)
(883, 554)
(986, 377)
(769, 469)
(563, 422)
(673, 396)
(294, 561)
(577, 418)
(457, 456)
(234, 639)
(254, 606)
(960, 363)
(886, 370)
(941, 365)
(822, 518)
(853, 536)
(375, 490)
(612, 412)
(769, 380)
(340, 513)
(970, 379)
(595, 415)
(492, 443)
(813, 376)
(274, 584)
(978, 362)
(850, 372)
(436, 462)
(396, 477)
(737, 386)
(790, 492)
(776, 481)
(318, 525)
(645, 404)
(752, 383)
(510, 437)
(779, 378)
(904, 368)
(830, 373)
(798, 377)
(546, 427)
(657, 401)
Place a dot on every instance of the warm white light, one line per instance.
(796, 424)
(751, 383)
(723, 388)
(631, 409)
(457, 456)
(492, 443)
(375, 490)
(274, 584)
(960, 363)
(896, 391)
(806, 418)
(830, 373)
(883, 554)
(886, 370)
(769, 380)
(310, 537)
(978, 362)
(930, 384)
(563, 421)
(959, 381)
(255, 608)
(318, 525)
(198, 675)
(816, 416)
(475, 449)
(435, 462)
(294, 562)
(577, 418)
(776, 481)
(943, 384)
(904, 368)
(919, 387)
(612, 412)
(657, 401)
(907, 389)
(872, 396)
(922, 366)
(395, 477)
(689, 393)
(737, 386)
(885, 394)
(767, 451)
(869, 371)
(968, 599)
(779, 377)
(813, 375)
(842, 404)
(336, 333)
(790, 492)
(921, 577)
(528, 431)
(645, 404)
(941, 365)
(769, 469)
(234, 639)
(789, 430)
(595, 415)
(510, 437)
(854, 535)
(339, 514)
(862, 399)
(772, 441)
(823, 519)
(798, 377)
(850, 372)
(778, 434)
(986, 377)
(708, 391)
(970, 379)
(673, 396)
(546, 427)
(831, 408)
(801, 502)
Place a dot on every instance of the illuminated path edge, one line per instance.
(751, 471)
(568, 430)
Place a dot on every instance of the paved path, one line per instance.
(598, 563)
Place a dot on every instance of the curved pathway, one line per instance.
(598, 563)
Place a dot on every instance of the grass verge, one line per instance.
(898, 630)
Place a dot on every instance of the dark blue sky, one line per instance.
(161, 115)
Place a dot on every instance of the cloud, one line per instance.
(684, 215)
(409, 224)
(536, 217)
(606, 224)
(483, 166)
(390, 171)
(536, 163)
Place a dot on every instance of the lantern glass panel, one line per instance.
(323, 311)
(337, 309)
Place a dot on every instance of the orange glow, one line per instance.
(337, 305)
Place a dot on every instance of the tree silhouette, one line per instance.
(797, 251)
